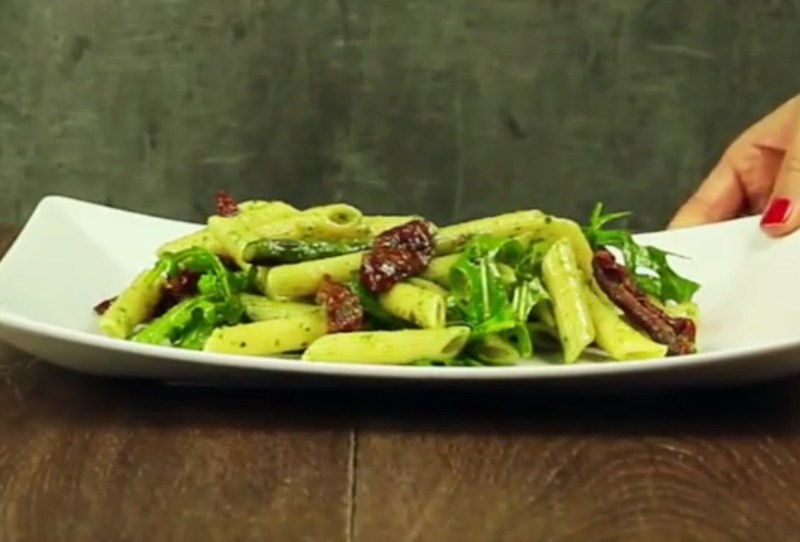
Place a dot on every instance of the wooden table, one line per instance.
(85, 459)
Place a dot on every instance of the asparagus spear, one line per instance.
(269, 252)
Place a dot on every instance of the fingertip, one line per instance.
(780, 218)
(684, 220)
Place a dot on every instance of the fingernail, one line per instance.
(777, 213)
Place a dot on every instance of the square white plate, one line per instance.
(71, 254)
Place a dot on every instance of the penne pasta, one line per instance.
(438, 270)
(255, 211)
(561, 228)
(422, 307)
(233, 234)
(615, 336)
(451, 238)
(494, 350)
(268, 337)
(294, 281)
(327, 223)
(564, 283)
(428, 285)
(134, 305)
(389, 347)
(259, 308)
(336, 213)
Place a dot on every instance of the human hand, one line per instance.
(758, 173)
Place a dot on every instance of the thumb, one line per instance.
(782, 214)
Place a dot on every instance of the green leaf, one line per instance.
(189, 323)
(200, 260)
(479, 297)
(648, 265)
(183, 319)
(526, 296)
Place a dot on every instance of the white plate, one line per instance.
(71, 254)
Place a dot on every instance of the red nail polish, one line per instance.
(777, 213)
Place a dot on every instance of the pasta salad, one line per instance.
(331, 283)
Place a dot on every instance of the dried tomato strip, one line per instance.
(678, 334)
(343, 308)
(397, 254)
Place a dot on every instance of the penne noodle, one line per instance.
(438, 270)
(564, 282)
(615, 336)
(260, 210)
(494, 350)
(422, 307)
(389, 347)
(331, 223)
(336, 213)
(233, 234)
(259, 308)
(451, 238)
(428, 285)
(561, 228)
(268, 337)
(297, 280)
(134, 306)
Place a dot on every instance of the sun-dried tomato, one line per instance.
(226, 205)
(177, 289)
(678, 334)
(104, 305)
(342, 307)
(398, 253)
(382, 268)
(417, 235)
(183, 285)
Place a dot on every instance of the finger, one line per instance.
(782, 215)
(721, 196)
(744, 178)
(758, 181)
(777, 129)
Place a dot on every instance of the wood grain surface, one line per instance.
(85, 459)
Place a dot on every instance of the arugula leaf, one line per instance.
(189, 323)
(526, 295)
(647, 264)
(200, 260)
(182, 323)
(479, 297)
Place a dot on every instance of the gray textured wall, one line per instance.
(453, 108)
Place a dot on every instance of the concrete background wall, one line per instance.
(452, 108)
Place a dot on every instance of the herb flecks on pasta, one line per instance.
(331, 284)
